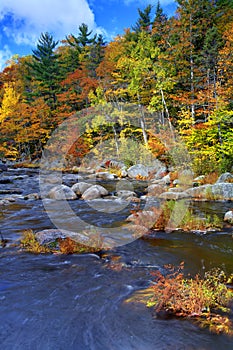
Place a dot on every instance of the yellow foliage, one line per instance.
(9, 102)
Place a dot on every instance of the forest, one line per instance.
(180, 69)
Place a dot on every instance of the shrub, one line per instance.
(205, 300)
(30, 243)
(166, 216)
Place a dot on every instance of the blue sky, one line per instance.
(22, 21)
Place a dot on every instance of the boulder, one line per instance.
(176, 182)
(61, 192)
(166, 179)
(174, 195)
(156, 166)
(160, 173)
(94, 192)
(80, 187)
(226, 177)
(175, 189)
(222, 191)
(105, 176)
(155, 190)
(229, 216)
(51, 235)
(199, 178)
(145, 218)
(123, 173)
(138, 171)
(127, 195)
(198, 192)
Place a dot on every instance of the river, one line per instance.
(78, 301)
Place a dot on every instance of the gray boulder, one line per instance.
(94, 192)
(229, 216)
(105, 176)
(226, 177)
(61, 192)
(222, 191)
(166, 179)
(138, 171)
(198, 192)
(127, 195)
(51, 235)
(174, 195)
(155, 190)
(80, 187)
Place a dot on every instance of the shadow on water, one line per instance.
(77, 302)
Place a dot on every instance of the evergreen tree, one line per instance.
(144, 21)
(160, 27)
(45, 70)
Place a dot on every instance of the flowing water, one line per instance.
(78, 301)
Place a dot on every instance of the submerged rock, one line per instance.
(3, 167)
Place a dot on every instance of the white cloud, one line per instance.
(5, 55)
(28, 18)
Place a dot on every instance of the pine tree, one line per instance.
(46, 70)
(160, 27)
(144, 22)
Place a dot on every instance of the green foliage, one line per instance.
(46, 70)
(211, 143)
(30, 243)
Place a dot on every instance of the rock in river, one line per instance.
(80, 187)
(94, 192)
(61, 192)
(229, 216)
(226, 177)
(138, 170)
(51, 235)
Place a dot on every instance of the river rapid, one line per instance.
(60, 302)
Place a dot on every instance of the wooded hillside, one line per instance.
(180, 68)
